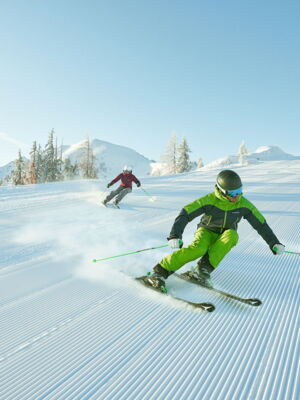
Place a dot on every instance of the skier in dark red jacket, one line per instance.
(125, 187)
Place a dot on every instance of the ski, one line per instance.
(110, 205)
(251, 302)
(208, 307)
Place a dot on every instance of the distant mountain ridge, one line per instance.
(263, 153)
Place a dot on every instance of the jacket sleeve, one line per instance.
(258, 222)
(135, 180)
(179, 225)
(116, 179)
(187, 214)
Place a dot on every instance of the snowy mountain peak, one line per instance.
(111, 156)
(273, 153)
(262, 153)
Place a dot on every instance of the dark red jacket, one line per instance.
(126, 180)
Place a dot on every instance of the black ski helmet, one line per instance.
(228, 180)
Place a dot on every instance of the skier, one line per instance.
(125, 187)
(216, 235)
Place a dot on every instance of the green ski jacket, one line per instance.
(219, 214)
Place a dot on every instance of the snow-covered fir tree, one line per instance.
(32, 164)
(18, 173)
(59, 162)
(169, 158)
(51, 168)
(39, 165)
(183, 161)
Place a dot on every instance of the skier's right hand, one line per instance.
(108, 185)
(278, 249)
(175, 243)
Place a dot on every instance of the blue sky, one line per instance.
(133, 72)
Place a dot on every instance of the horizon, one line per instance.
(232, 154)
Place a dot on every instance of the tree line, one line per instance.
(47, 164)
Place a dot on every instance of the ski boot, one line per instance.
(202, 272)
(157, 279)
(104, 202)
(116, 203)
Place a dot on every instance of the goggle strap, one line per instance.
(222, 190)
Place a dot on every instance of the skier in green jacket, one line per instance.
(216, 235)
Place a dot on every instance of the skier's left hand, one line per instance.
(278, 249)
(175, 243)
(138, 184)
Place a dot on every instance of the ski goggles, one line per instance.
(231, 193)
(235, 192)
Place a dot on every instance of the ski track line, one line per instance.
(71, 319)
(25, 312)
(141, 369)
(29, 250)
(37, 206)
(112, 362)
(35, 292)
(70, 350)
(28, 322)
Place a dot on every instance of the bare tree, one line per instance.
(88, 162)
(200, 163)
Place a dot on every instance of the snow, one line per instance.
(74, 329)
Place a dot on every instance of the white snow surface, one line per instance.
(74, 329)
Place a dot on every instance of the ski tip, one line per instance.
(254, 302)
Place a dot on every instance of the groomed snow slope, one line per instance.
(73, 329)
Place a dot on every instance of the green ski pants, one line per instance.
(215, 244)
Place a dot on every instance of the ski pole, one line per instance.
(127, 254)
(289, 252)
(292, 252)
(151, 197)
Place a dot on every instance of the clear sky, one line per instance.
(132, 72)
